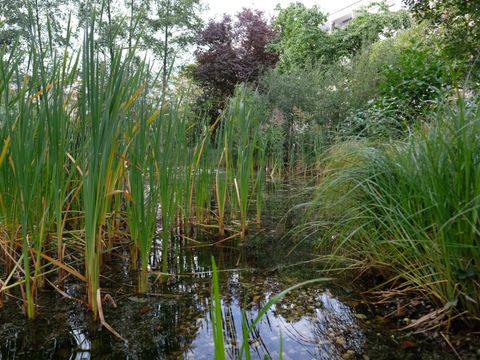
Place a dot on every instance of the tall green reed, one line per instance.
(9, 84)
(240, 117)
(142, 203)
(32, 185)
(203, 183)
(260, 180)
(27, 159)
(168, 144)
(216, 316)
(60, 132)
(221, 186)
(106, 95)
(81, 140)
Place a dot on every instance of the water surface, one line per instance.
(318, 321)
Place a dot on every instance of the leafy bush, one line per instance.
(408, 88)
(416, 80)
(328, 94)
(457, 23)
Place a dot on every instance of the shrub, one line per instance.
(408, 89)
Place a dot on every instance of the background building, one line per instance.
(342, 16)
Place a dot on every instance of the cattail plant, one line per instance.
(143, 194)
(106, 96)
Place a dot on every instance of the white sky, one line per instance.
(218, 7)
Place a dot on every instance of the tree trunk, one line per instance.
(110, 39)
(165, 48)
(130, 37)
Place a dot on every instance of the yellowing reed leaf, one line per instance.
(41, 91)
(129, 196)
(137, 93)
(75, 162)
(153, 116)
(114, 192)
(4, 150)
(64, 267)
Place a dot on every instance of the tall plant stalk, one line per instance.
(106, 95)
(143, 196)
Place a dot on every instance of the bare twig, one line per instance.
(451, 346)
(102, 318)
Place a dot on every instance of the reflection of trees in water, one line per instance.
(314, 318)
(49, 337)
(168, 323)
(164, 323)
(162, 326)
(309, 318)
(336, 329)
(81, 338)
(233, 336)
(319, 325)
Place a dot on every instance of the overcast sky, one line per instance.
(218, 7)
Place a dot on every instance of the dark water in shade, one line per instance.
(320, 321)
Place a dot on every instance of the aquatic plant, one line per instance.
(90, 157)
(143, 194)
(216, 316)
(240, 119)
(260, 181)
(221, 192)
(106, 96)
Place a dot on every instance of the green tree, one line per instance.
(302, 41)
(369, 27)
(42, 20)
(118, 24)
(229, 52)
(173, 29)
(457, 22)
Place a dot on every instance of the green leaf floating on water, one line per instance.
(137, 299)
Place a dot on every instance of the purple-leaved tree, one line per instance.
(230, 52)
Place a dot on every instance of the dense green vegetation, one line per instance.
(384, 116)
(95, 151)
(396, 120)
(409, 206)
(100, 149)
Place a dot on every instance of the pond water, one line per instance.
(319, 321)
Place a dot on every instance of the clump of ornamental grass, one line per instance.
(411, 207)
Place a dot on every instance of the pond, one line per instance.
(326, 320)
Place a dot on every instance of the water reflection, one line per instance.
(321, 328)
(83, 343)
(173, 321)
